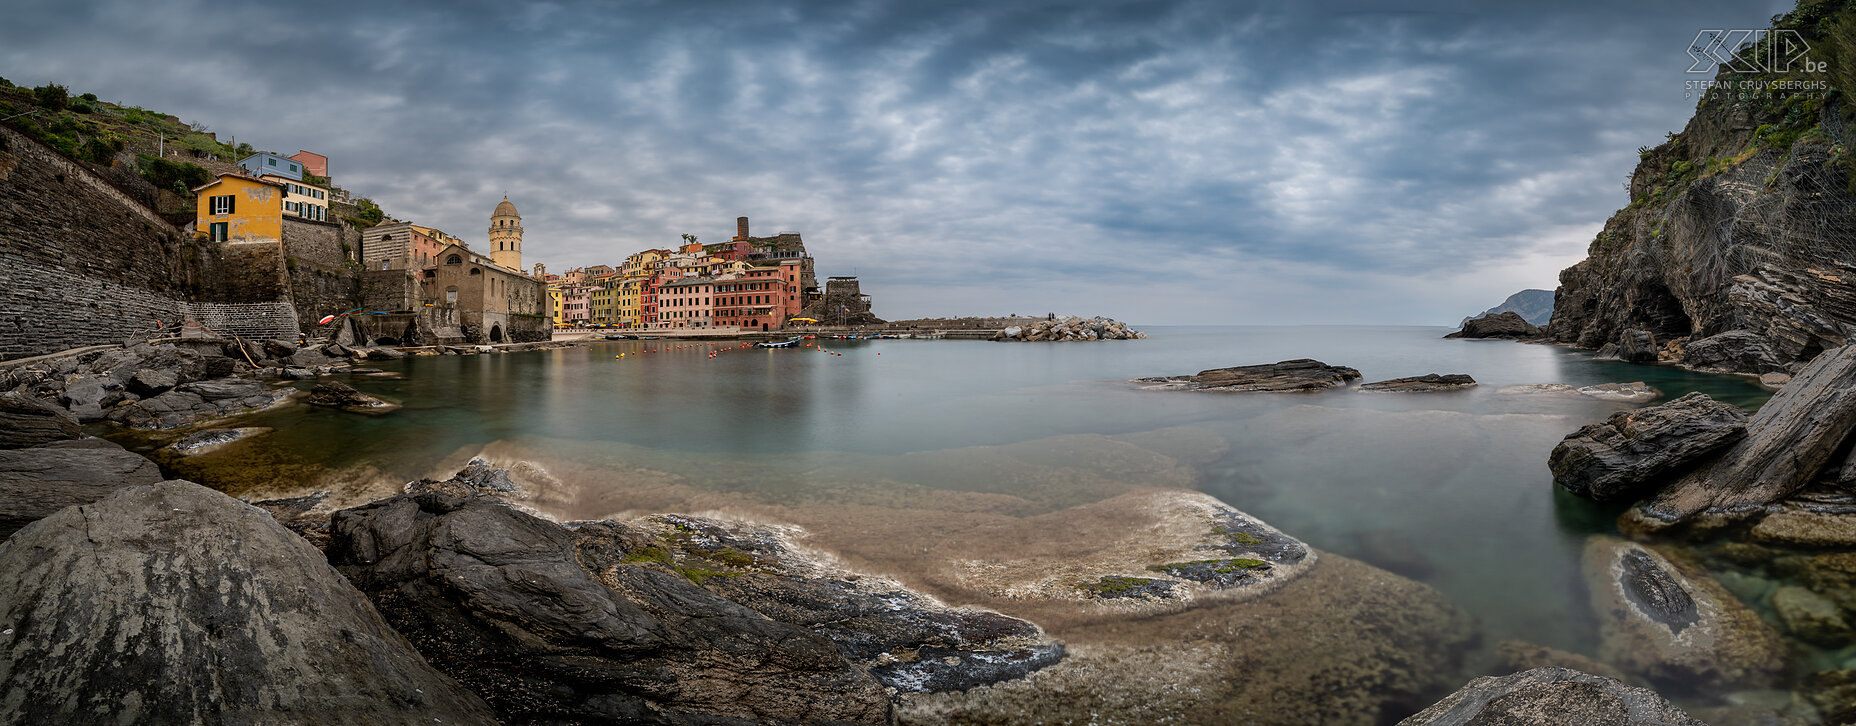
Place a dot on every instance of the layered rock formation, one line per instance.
(1301, 374)
(1617, 459)
(175, 604)
(1497, 325)
(1741, 224)
(1793, 438)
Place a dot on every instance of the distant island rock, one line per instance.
(1497, 325)
(1534, 306)
(1301, 374)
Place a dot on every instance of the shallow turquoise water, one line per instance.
(1451, 488)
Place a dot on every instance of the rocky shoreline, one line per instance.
(491, 613)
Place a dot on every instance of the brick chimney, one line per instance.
(741, 228)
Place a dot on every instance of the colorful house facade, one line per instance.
(239, 209)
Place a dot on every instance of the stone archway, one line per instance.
(496, 333)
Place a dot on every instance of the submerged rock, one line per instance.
(1499, 325)
(1618, 459)
(335, 394)
(1302, 374)
(1792, 439)
(1520, 656)
(554, 625)
(1633, 392)
(200, 442)
(1422, 384)
(38, 481)
(1551, 697)
(1811, 616)
(26, 421)
(1675, 625)
(175, 604)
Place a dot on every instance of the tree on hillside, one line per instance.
(370, 212)
(51, 96)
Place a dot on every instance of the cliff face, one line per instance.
(1742, 222)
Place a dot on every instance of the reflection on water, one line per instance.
(915, 443)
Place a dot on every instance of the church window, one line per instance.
(453, 260)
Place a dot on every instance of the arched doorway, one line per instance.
(496, 333)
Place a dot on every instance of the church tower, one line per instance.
(506, 236)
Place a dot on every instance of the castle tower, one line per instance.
(506, 236)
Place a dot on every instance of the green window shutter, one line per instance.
(231, 204)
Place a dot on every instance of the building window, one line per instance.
(453, 260)
(220, 231)
(220, 204)
(273, 162)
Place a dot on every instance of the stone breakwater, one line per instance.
(1068, 329)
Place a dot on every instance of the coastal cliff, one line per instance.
(1742, 224)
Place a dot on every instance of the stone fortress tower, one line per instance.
(506, 236)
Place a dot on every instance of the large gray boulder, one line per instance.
(1301, 374)
(1792, 438)
(1735, 351)
(87, 396)
(175, 604)
(1670, 622)
(1551, 697)
(26, 421)
(191, 403)
(1499, 325)
(1618, 459)
(554, 627)
(1637, 346)
(39, 481)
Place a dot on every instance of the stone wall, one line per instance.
(318, 257)
(82, 262)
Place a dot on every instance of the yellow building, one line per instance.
(600, 301)
(236, 208)
(554, 303)
(626, 306)
(640, 263)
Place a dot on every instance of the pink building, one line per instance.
(686, 302)
(313, 162)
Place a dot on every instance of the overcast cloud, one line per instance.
(1158, 162)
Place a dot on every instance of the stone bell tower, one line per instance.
(506, 236)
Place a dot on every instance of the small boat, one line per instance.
(788, 343)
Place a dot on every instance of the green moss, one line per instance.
(733, 558)
(653, 553)
(1221, 567)
(698, 576)
(1114, 585)
(1246, 538)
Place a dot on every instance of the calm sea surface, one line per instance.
(1451, 489)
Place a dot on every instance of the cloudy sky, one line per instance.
(1157, 161)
